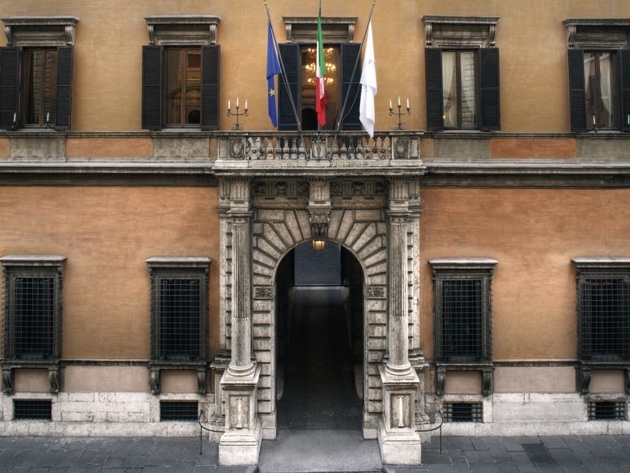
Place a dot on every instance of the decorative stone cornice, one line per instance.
(602, 263)
(183, 29)
(40, 31)
(595, 33)
(460, 31)
(463, 264)
(301, 29)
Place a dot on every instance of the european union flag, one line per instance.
(273, 69)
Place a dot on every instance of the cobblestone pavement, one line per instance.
(570, 454)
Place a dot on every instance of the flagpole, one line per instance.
(354, 70)
(284, 74)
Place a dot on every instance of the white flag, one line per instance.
(367, 113)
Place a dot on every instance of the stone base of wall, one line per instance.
(102, 414)
(138, 414)
(525, 414)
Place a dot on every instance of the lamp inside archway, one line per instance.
(319, 245)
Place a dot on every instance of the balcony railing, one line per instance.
(320, 147)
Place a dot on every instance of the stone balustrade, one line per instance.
(319, 146)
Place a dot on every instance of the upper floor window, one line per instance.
(462, 307)
(299, 55)
(180, 74)
(462, 74)
(36, 72)
(32, 312)
(603, 309)
(599, 74)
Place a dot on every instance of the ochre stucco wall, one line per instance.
(530, 35)
(107, 234)
(533, 234)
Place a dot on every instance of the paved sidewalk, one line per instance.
(570, 454)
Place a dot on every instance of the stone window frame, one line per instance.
(463, 33)
(588, 268)
(467, 269)
(38, 266)
(188, 268)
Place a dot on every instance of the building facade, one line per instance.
(150, 215)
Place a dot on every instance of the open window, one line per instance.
(36, 72)
(180, 73)
(342, 77)
(599, 74)
(462, 73)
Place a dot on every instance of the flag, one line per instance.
(320, 73)
(367, 113)
(273, 69)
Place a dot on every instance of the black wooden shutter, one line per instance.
(490, 99)
(350, 86)
(210, 87)
(9, 85)
(624, 60)
(435, 99)
(64, 87)
(577, 92)
(290, 54)
(152, 87)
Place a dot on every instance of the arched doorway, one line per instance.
(319, 339)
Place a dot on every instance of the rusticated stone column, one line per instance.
(398, 440)
(241, 442)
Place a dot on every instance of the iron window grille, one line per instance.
(179, 317)
(32, 306)
(462, 309)
(463, 412)
(603, 316)
(462, 318)
(32, 409)
(187, 411)
(607, 410)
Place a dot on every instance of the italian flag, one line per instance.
(320, 73)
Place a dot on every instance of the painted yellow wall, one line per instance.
(107, 234)
(530, 35)
(533, 234)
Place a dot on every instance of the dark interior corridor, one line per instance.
(319, 339)
(319, 387)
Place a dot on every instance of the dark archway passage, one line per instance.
(320, 346)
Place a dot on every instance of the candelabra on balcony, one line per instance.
(399, 113)
(237, 114)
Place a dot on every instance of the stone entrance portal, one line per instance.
(369, 206)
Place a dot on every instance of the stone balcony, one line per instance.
(323, 153)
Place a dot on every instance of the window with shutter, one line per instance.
(599, 74)
(36, 77)
(462, 74)
(180, 73)
(296, 91)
